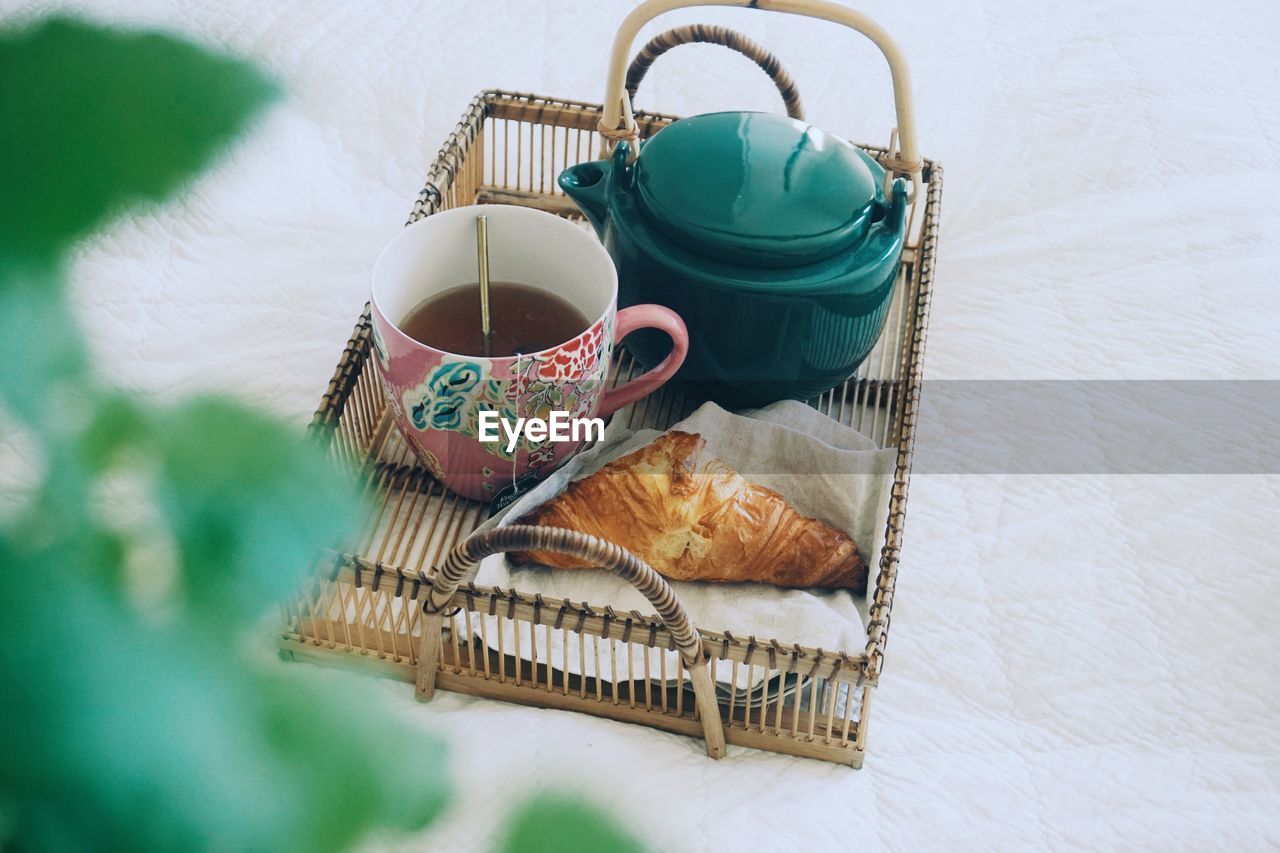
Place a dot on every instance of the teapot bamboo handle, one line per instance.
(725, 37)
(617, 122)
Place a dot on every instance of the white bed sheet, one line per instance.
(1082, 661)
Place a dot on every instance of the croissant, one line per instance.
(692, 517)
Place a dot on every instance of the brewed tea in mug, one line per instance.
(523, 319)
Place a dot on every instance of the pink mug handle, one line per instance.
(647, 317)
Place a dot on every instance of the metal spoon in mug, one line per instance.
(482, 261)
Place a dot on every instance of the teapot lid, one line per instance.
(757, 188)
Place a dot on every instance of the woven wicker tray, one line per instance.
(369, 604)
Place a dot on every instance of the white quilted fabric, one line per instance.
(1075, 662)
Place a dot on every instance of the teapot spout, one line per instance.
(588, 185)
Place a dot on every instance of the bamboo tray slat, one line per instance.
(363, 607)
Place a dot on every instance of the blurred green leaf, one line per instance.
(137, 737)
(44, 355)
(552, 824)
(118, 424)
(93, 119)
(125, 729)
(248, 502)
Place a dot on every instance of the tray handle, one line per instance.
(725, 37)
(464, 560)
(617, 122)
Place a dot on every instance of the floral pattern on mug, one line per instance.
(578, 358)
(544, 455)
(448, 396)
(457, 389)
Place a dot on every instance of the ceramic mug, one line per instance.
(437, 397)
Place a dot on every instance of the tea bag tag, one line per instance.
(512, 493)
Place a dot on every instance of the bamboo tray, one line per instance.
(365, 604)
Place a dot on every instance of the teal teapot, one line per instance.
(777, 243)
